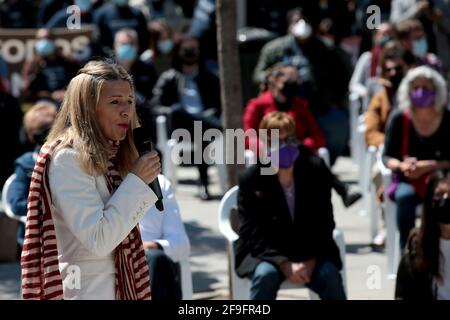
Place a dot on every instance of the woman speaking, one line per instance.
(89, 190)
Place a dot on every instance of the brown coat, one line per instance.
(376, 118)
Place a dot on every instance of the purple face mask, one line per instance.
(287, 154)
(422, 97)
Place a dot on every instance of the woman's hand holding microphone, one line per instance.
(147, 167)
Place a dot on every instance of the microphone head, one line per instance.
(142, 140)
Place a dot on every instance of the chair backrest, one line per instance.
(228, 202)
(5, 200)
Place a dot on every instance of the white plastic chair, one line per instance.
(355, 102)
(186, 279)
(240, 287)
(392, 234)
(6, 204)
(166, 146)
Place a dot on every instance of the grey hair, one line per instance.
(439, 84)
(130, 33)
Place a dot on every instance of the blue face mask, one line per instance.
(84, 5)
(165, 46)
(420, 47)
(45, 47)
(126, 52)
(120, 2)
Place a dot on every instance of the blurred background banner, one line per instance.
(17, 46)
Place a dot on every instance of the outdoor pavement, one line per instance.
(366, 269)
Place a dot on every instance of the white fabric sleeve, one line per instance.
(174, 240)
(99, 227)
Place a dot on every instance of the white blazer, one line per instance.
(90, 223)
(166, 227)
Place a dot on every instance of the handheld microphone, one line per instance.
(144, 145)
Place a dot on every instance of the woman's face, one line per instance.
(114, 109)
(422, 83)
(442, 189)
(422, 94)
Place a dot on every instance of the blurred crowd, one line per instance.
(313, 55)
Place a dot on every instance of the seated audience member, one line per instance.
(162, 43)
(115, 15)
(434, 16)
(416, 142)
(368, 64)
(281, 95)
(37, 123)
(323, 73)
(286, 221)
(49, 72)
(165, 244)
(413, 39)
(126, 47)
(10, 123)
(423, 273)
(384, 101)
(60, 18)
(190, 93)
(15, 14)
(48, 8)
(381, 105)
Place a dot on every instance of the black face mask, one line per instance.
(395, 80)
(189, 55)
(39, 137)
(441, 208)
(290, 89)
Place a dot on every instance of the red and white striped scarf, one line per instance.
(41, 278)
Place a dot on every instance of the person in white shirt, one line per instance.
(166, 243)
(424, 271)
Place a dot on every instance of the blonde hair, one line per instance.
(76, 124)
(278, 120)
(41, 114)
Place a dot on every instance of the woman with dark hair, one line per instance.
(424, 271)
(190, 93)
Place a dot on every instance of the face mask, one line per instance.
(290, 89)
(45, 47)
(126, 52)
(384, 40)
(420, 47)
(302, 30)
(39, 137)
(287, 155)
(189, 56)
(422, 97)
(84, 5)
(441, 208)
(395, 80)
(120, 2)
(165, 46)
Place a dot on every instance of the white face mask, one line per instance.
(302, 30)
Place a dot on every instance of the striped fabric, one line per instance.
(41, 278)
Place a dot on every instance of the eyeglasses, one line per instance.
(288, 140)
(396, 68)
